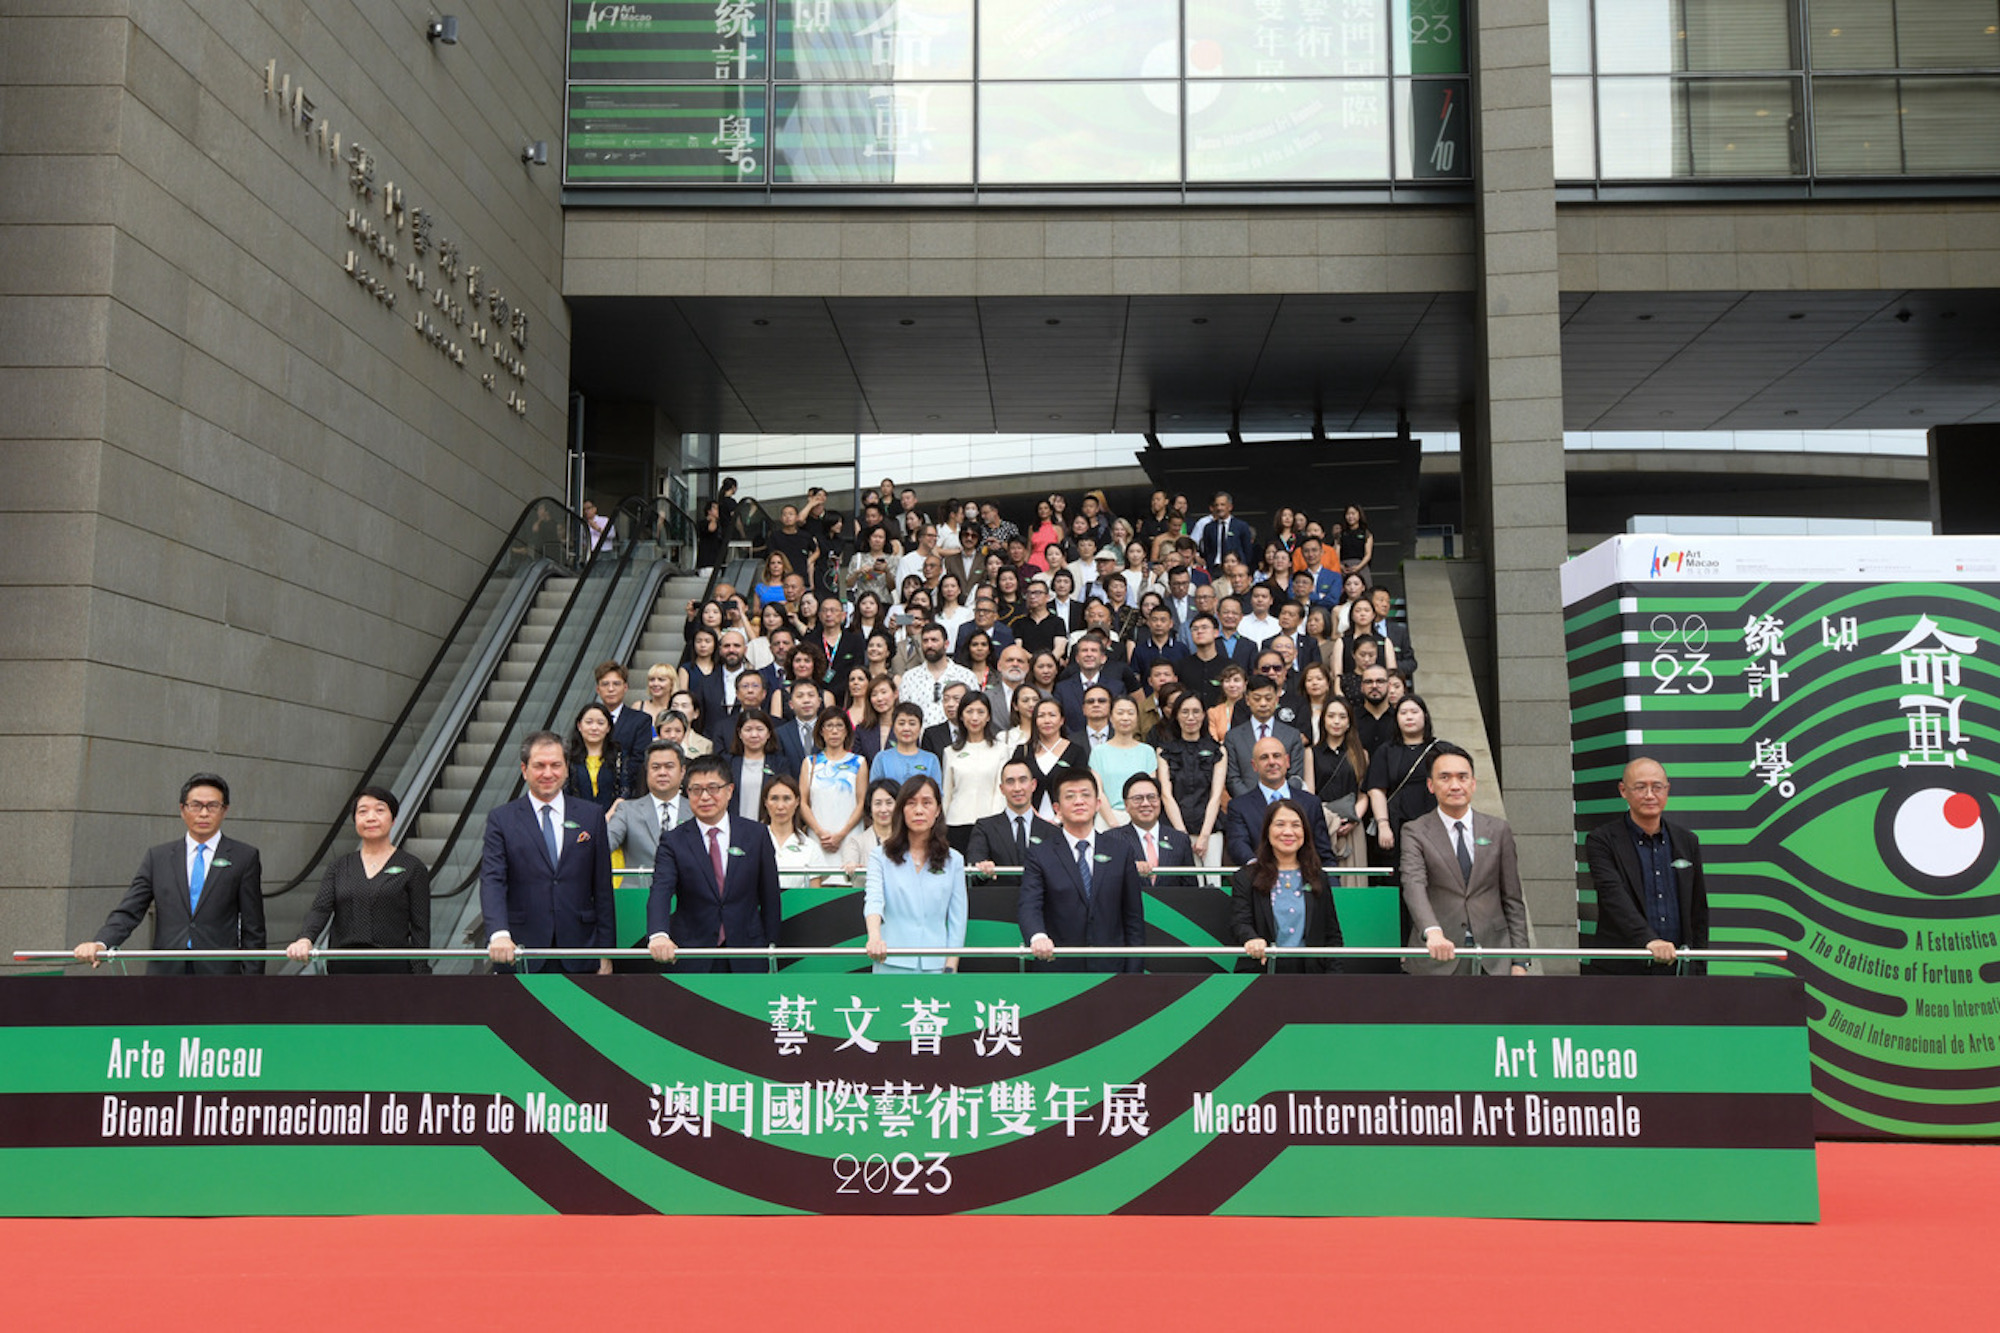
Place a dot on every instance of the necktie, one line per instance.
(1464, 852)
(666, 820)
(196, 876)
(1152, 847)
(715, 859)
(1263, 731)
(549, 833)
(1020, 840)
(1083, 866)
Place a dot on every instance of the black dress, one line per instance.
(1191, 770)
(390, 911)
(1407, 765)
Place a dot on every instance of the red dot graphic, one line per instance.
(1961, 810)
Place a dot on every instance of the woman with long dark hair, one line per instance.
(1337, 766)
(1192, 772)
(1284, 898)
(1398, 778)
(596, 763)
(916, 886)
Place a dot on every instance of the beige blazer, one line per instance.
(1437, 894)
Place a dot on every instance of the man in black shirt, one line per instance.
(1038, 631)
(1201, 670)
(798, 546)
(1375, 720)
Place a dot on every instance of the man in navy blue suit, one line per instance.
(1155, 841)
(715, 879)
(1090, 670)
(1222, 533)
(631, 728)
(1080, 887)
(545, 869)
(1243, 826)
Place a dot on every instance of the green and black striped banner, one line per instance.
(795, 1092)
(1826, 712)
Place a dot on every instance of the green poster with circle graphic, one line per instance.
(1828, 712)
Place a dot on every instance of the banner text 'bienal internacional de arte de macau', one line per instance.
(1548, 1097)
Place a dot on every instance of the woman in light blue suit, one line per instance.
(916, 886)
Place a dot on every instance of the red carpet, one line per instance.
(1906, 1235)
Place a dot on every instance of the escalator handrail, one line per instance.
(340, 826)
(512, 725)
(458, 711)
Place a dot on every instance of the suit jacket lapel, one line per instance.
(1630, 873)
(180, 855)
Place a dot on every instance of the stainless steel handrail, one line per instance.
(777, 951)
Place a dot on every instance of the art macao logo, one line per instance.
(611, 18)
(1685, 561)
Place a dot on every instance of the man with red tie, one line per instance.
(715, 879)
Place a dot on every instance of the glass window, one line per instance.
(1286, 38)
(1856, 128)
(1064, 39)
(1698, 127)
(1635, 37)
(1576, 129)
(1428, 37)
(1079, 133)
(1958, 33)
(1289, 130)
(1852, 34)
(1950, 125)
(872, 134)
(1736, 127)
(872, 40)
(668, 39)
(1734, 34)
(1569, 36)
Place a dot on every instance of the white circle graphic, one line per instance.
(1940, 832)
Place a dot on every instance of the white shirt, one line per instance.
(1451, 837)
(729, 683)
(207, 856)
(912, 563)
(1258, 629)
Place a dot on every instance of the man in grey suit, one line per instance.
(638, 823)
(1460, 879)
(1241, 739)
(206, 891)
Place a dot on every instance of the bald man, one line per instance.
(1647, 873)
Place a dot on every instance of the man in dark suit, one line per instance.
(631, 728)
(1461, 881)
(545, 869)
(1155, 841)
(1243, 824)
(206, 891)
(1081, 887)
(840, 649)
(1221, 533)
(1395, 631)
(942, 736)
(715, 879)
(1090, 669)
(796, 731)
(1002, 839)
(1651, 893)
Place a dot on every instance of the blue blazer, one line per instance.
(564, 906)
(684, 903)
(1243, 825)
(1053, 902)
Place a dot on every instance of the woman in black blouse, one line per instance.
(1192, 771)
(376, 898)
(1339, 766)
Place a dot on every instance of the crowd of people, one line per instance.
(919, 696)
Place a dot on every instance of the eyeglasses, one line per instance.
(1273, 669)
(1647, 788)
(203, 807)
(707, 788)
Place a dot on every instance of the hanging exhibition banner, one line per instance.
(796, 1092)
(1828, 712)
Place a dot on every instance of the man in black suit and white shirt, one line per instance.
(795, 733)
(206, 891)
(1081, 887)
(545, 869)
(631, 728)
(1004, 839)
(1155, 841)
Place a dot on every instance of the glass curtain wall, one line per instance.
(1719, 89)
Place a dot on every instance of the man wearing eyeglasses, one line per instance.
(1647, 872)
(206, 891)
(715, 879)
(1241, 741)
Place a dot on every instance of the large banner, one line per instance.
(1828, 712)
(794, 1092)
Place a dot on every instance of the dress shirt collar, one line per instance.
(1450, 823)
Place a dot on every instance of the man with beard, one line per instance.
(923, 684)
